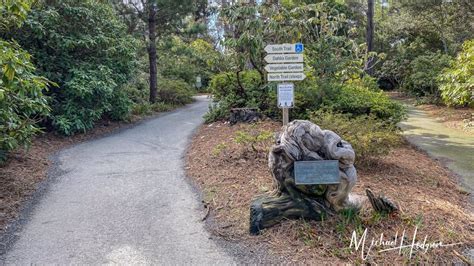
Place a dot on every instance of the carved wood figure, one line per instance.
(304, 141)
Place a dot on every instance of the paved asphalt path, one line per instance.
(452, 147)
(122, 199)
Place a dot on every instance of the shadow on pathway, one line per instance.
(453, 148)
(121, 199)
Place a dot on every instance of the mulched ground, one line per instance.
(24, 170)
(230, 175)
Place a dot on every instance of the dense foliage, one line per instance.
(188, 60)
(93, 57)
(457, 81)
(22, 102)
(351, 97)
(234, 90)
(370, 137)
(422, 72)
(66, 64)
(334, 63)
(176, 92)
(420, 38)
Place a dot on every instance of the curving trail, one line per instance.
(453, 147)
(122, 199)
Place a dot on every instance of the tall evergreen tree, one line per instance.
(160, 17)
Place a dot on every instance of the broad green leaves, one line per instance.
(457, 81)
(84, 47)
(22, 102)
(13, 12)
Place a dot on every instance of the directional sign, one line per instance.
(284, 48)
(272, 68)
(285, 76)
(284, 58)
(286, 95)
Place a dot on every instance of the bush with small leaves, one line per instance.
(369, 136)
(422, 74)
(254, 140)
(175, 92)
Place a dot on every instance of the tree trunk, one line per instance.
(370, 35)
(152, 52)
(268, 211)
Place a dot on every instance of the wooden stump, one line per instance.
(302, 140)
(246, 115)
(267, 211)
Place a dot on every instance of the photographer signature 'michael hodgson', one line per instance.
(397, 243)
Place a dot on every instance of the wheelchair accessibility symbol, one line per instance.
(299, 48)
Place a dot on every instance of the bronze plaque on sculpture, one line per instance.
(317, 172)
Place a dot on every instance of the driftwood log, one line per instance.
(302, 140)
(246, 115)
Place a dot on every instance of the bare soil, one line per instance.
(230, 175)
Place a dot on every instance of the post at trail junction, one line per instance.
(285, 63)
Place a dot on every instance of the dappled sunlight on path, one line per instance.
(452, 147)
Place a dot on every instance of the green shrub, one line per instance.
(162, 107)
(147, 108)
(356, 100)
(230, 92)
(179, 59)
(255, 141)
(395, 68)
(457, 82)
(13, 12)
(225, 87)
(120, 105)
(88, 95)
(137, 88)
(217, 111)
(175, 92)
(141, 109)
(85, 49)
(423, 72)
(357, 97)
(22, 102)
(369, 136)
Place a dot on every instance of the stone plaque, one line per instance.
(317, 172)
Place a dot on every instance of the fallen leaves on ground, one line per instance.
(428, 195)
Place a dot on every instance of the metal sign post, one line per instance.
(285, 64)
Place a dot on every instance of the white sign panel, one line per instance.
(284, 48)
(286, 95)
(271, 68)
(285, 76)
(284, 58)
